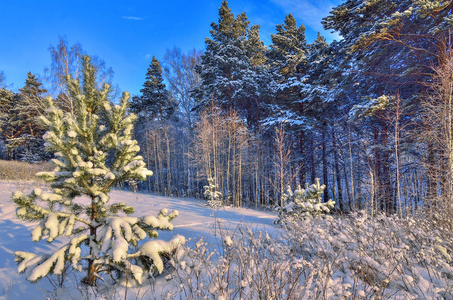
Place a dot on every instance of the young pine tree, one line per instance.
(94, 150)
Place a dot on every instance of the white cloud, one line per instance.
(132, 18)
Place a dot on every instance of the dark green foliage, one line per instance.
(155, 101)
(29, 109)
(289, 48)
(19, 121)
(232, 70)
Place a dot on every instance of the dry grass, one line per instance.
(22, 171)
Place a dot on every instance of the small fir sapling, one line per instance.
(94, 150)
(213, 196)
(303, 203)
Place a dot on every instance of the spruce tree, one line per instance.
(303, 203)
(155, 101)
(19, 124)
(256, 50)
(94, 151)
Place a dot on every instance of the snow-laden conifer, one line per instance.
(94, 150)
(212, 195)
(304, 203)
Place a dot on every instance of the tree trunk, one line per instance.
(301, 160)
(169, 183)
(337, 171)
(352, 202)
(432, 178)
(91, 276)
(312, 161)
(324, 164)
(379, 197)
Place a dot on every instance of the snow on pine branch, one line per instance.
(114, 237)
(37, 266)
(369, 107)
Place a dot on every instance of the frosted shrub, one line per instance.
(303, 203)
(382, 257)
(248, 264)
(212, 195)
(354, 257)
(93, 150)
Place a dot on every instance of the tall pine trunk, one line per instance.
(337, 170)
(325, 175)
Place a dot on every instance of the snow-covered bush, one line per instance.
(303, 203)
(212, 195)
(380, 257)
(352, 257)
(94, 150)
(247, 264)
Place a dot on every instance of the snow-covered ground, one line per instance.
(330, 257)
(195, 220)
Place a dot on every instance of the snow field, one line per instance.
(194, 221)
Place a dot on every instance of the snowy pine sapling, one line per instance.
(303, 203)
(213, 196)
(94, 150)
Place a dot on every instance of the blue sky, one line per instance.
(126, 34)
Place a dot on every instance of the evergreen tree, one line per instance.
(303, 203)
(289, 48)
(11, 126)
(390, 47)
(231, 71)
(258, 86)
(256, 50)
(29, 109)
(155, 101)
(224, 61)
(323, 111)
(94, 151)
(212, 195)
(288, 56)
(20, 127)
